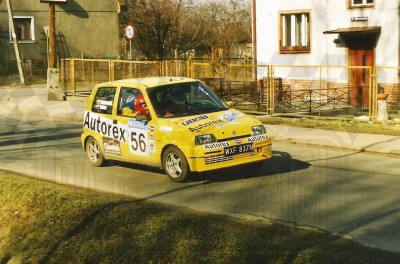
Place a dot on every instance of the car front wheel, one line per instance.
(94, 153)
(175, 165)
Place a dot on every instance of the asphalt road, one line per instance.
(344, 192)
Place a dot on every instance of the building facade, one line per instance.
(346, 33)
(82, 28)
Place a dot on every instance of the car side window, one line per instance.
(103, 100)
(127, 101)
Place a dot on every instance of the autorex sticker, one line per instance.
(257, 138)
(135, 134)
(216, 145)
(105, 127)
(194, 120)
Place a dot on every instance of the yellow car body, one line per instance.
(200, 134)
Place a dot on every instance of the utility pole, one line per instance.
(52, 22)
(15, 41)
(254, 37)
(53, 73)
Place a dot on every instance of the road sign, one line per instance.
(130, 31)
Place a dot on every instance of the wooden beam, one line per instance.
(52, 52)
(15, 41)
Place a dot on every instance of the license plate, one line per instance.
(230, 151)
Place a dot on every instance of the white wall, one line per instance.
(327, 15)
(268, 32)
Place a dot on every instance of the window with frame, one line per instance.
(24, 27)
(127, 101)
(361, 3)
(104, 100)
(294, 32)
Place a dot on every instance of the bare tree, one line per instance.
(230, 22)
(170, 28)
(153, 21)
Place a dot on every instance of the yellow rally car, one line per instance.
(178, 124)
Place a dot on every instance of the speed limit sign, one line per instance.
(130, 31)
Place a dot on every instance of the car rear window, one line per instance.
(104, 100)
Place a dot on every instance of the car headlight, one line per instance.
(205, 139)
(258, 130)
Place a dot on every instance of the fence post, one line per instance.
(72, 75)
(260, 93)
(160, 68)
(373, 91)
(228, 87)
(189, 68)
(319, 90)
(111, 70)
(270, 90)
(165, 68)
(245, 69)
(62, 76)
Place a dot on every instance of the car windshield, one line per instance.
(184, 99)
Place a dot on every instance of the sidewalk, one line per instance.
(382, 144)
(33, 101)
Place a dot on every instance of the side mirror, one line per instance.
(229, 104)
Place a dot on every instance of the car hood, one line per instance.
(224, 124)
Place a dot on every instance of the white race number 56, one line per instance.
(139, 142)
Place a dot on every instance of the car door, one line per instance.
(131, 115)
(99, 121)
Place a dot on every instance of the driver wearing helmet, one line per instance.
(137, 106)
(175, 101)
(140, 105)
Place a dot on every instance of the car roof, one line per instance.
(152, 81)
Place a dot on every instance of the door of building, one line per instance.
(361, 56)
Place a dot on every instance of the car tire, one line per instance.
(94, 152)
(175, 164)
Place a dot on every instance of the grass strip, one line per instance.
(43, 222)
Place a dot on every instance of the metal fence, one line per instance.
(322, 90)
(34, 71)
(78, 76)
(279, 89)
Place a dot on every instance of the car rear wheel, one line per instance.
(94, 153)
(175, 165)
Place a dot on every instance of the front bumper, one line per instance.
(218, 159)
